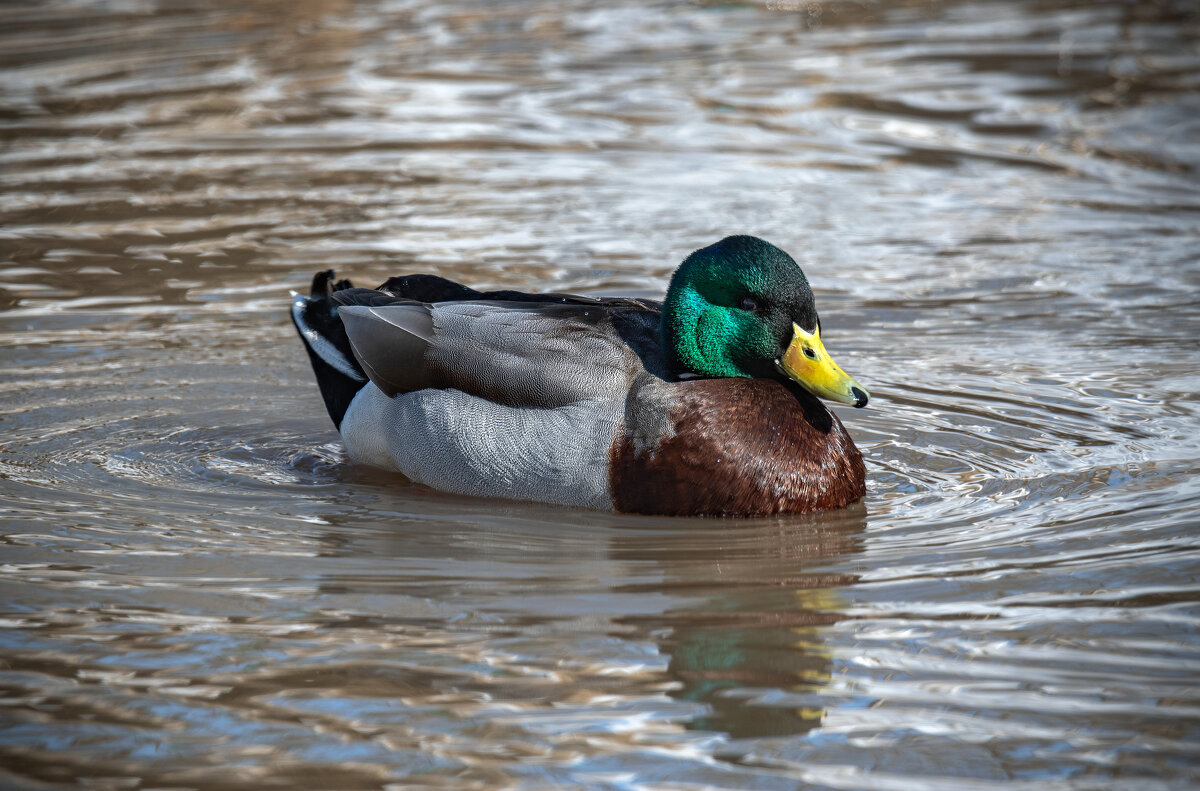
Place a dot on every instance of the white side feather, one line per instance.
(458, 443)
(320, 344)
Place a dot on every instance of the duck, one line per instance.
(706, 403)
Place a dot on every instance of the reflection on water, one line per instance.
(751, 648)
(997, 205)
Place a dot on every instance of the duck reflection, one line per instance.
(739, 607)
(751, 650)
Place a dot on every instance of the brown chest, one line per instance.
(736, 447)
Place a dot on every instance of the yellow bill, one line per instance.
(807, 362)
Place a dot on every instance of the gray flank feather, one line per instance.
(459, 443)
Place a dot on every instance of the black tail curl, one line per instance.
(339, 374)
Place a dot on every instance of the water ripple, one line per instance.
(995, 203)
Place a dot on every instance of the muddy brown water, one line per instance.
(997, 203)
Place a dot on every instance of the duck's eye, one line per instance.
(748, 303)
(809, 353)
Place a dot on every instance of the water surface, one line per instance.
(997, 204)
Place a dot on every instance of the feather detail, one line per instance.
(319, 344)
(390, 343)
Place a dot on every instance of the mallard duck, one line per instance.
(703, 404)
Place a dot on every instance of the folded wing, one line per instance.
(524, 354)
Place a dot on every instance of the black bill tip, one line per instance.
(860, 398)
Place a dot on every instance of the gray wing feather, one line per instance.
(517, 354)
(390, 343)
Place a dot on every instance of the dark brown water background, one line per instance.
(998, 204)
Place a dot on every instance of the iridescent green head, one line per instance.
(742, 307)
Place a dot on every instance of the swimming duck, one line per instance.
(704, 404)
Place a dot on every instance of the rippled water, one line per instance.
(997, 203)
